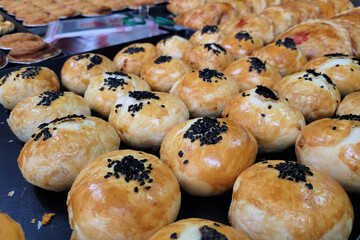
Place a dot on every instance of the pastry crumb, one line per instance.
(33, 221)
(10, 194)
(46, 218)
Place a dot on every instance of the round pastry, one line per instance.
(242, 44)
(59, 149)
(44, 107)
(24, 82)
(241, 7)
(227, 11)
(327, 9)
(104, 89)
(205, 92)
(350, 104)
(283, 18)
(142, 119)
(178, 7)
(207, 154)
(39, 19)
(12, 40)
(284, 54)
(316, 38)
(248, 72)
(124, 193)
(273, 122)
(257, 5)
(311, 10)
(64, 12)
(353, 29)
(162, 73)
(343, 71)
(95, 10)
(78, 69)
(313, 93)
(9, 229)
(196, 229)
(173, 46)
(208, 34)
(259, 25)
(132, 58)
(286, 200)
(333, 147)
(208, 55)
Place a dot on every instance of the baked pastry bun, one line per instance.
(132, 58)
(208, 55)
(257, 5)
(343, 5)
(9, 41)
(139, 188)
(9, 229)
(316, 38)
(205, 92)
(208, 34)
(248, 72)
(59, 149)
(331, 145)
(353, 29)
(163, 72)
(104, 89)
(178, 7)
(284, 54)
(273, 122)
(311, 9)
(280, 199)
(24, 82)
(350, 104)
(282, 18)
(44, 107)
(242, 44)
(173, 46)
(343, 70)
(196, 229)
(187, 148)
(78, 69)
(327, 9)
(142, 119)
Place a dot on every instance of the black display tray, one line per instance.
(29, 202)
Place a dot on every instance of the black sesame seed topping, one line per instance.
(61, 120)
(136, 189)
(351, 117)
(335, 55)
(114, 80)
(207, 74)
(334, 128)
(287, 42)
(30, 72)
(215, 48)
(216, 224)
(94, 60)
(132, 50)
(243, 35)
(309, 185)
(181, 153)
(186, 162)
(46, 98)
(264, 161)
(6, 76)
(208, 29)
(256, 64)
(44, 132)
(162, 106)
(82, 56)
(208, 233)
(174, 236)
(266, 92)
(163, 59)
(313, 72)
(269, 107)
(135, 108)
(263, 115)
(207, 130)
(227, 115)
(140, 95)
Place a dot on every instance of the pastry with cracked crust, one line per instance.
(78, 69)
(279, 199)
(132, 58)
(332, 145)
(61, 148)
(32, 51)
(196, 228)
(282, 18)
(10, 229)
(15, 39)
(205, 91)
(343, 70)
(178, 7)
(39, 19)
(64, 12)
(188, 148)
(173, 46)
(248, 72)
(350, 104)
(284, 54)
(311, 9)
(273, 122)
(257, 5)
(104, 89)
(343, 5)
(24, 82)
(135, 184)
(327, 9)
(95, 10)
(208, 34)
(44, 107)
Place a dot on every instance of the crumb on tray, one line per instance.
(46, 218)
(10, 194)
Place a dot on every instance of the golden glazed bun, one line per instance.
(132, 58)
(208, 34)
(121, 195)
(353, 29)
(333, 147)
(284, 54)
(78, 69)
(242, 44)
(197, 229)
(205, 92)
(24, 82)
(286, 200)
(350, 104)
(162, 73)
(105, 88)
(283, 18)
(142, 119)
(174, 46)
(343, 70)
(178, 7)
(313, 93)
(257, 5)
(273, 122)
(58, 150)
(248, 72)
(207, 154)
(9, 229)
(44, 107)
